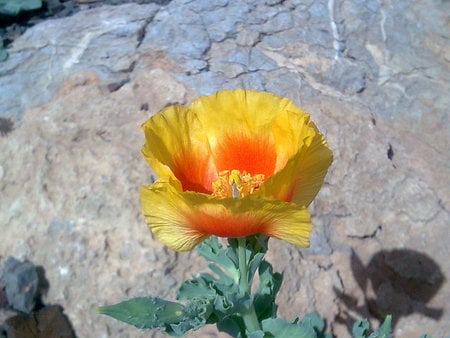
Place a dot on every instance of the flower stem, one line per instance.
(248, 314)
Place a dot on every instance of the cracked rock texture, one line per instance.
(374, 76)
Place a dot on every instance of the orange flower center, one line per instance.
(236, 184)
(246, 153)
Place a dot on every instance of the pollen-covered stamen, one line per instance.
(220, 187)
(236, 184)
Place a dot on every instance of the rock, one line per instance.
(106, 45)
(185, 37)
(75, 241)
(377, 90)
(21, 283)
(50, 321)
(6, 126)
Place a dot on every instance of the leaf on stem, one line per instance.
(280, 328)
(154, 312)
(313, 321)
(223, 258)
(361, 329)
(265, 294)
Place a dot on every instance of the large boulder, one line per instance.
(373, 76)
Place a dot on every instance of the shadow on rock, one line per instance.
(22, 285)
(403, 282)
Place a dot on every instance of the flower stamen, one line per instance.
(236, 184)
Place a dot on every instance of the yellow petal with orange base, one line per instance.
(181, 220)
(302, 177)
(253, 131)
(176, 147)
(263, 133)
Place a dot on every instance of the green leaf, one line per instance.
(265, 294)
(280, 328)
(257, 334)
(223, 297)
(14, 7)
(145, 312)
(197, 288)
(384, 331)
(223, 306)
(233, 325)
(224, 258)
(198, 312)
(223, 276)
(154, 312)
(361, 329)
(222, 289)
(258, 243)
(313, 321)
(254, 263)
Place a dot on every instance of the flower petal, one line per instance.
(245, 110)
(181, 220)
(300, 180)
(238, 124)
(162, 206)
(176, 147)
(252, 131)
(255, 155)
(290, 128)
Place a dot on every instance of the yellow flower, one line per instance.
(235, 163)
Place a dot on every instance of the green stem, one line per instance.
(248, 314)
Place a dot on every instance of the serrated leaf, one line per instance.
(361, 328)
(223, 306)
(265, 294)
(198, 312)
(314, 321)
(212, 251)
(280, 328)
(223, 289)
(196, 288)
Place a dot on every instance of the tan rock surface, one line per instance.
(71, 177)
(70, 186)
(70, 172)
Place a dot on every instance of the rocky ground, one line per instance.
(374, 76)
